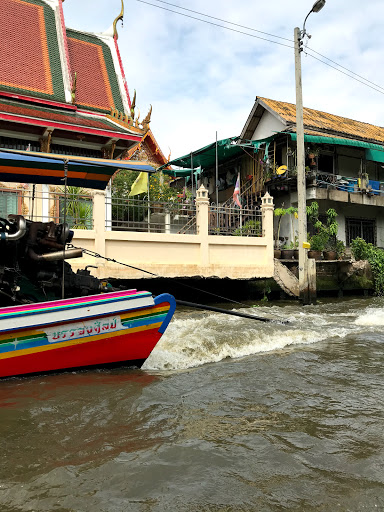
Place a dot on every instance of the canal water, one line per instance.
(228, 415)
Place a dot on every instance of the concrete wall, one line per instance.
(174, 255)
(346, 204)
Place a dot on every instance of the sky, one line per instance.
(202, 79)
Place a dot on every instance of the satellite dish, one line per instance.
(281, 170)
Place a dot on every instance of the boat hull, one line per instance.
(105, 330)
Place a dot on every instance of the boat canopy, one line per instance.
(47, 168)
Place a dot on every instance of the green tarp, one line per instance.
(182, 173)
(226, 149)
(373, 152)
(230, 148)
(336, 140)
(375, 155)
(206, 156)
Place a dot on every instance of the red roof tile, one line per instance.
(51, 115)
(24, 62)
(93, 88)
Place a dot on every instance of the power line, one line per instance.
(366, 82)
(346, 74)
(215, 24)
(225, 21)
(346, 69)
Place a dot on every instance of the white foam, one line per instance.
(191, 342)
(371, 317)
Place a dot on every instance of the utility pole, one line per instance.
(301, 183)
(307, 267)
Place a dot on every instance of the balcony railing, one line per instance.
(348, 184)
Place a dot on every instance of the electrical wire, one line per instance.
(346, 69)
(363, 81)
(346, 74)
(216, 24)
(225, 21)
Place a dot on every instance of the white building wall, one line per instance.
(267, 126)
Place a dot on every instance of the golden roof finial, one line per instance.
(147, 119)
(133, 105)
(120, 17)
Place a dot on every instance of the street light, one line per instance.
(305, 283)
(318, 5)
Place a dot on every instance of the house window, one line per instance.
(9, 203)
(362, 228)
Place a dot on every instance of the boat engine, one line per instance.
(32, 263)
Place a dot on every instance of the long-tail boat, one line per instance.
(107, 328)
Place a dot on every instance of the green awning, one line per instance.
(226, 149)
(179, 173)
(206, 156)
(375, 155)
(336, 140)
(374, 152)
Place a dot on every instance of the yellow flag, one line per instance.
(140, 185)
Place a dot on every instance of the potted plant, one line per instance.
(312, 153)
(317, 242)
(279, 212)
(330, 229)
(287, 251)
(340, 249)
(296, 247)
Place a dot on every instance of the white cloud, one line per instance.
(201, 78)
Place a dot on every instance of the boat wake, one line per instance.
(194, 339)
(371, 317)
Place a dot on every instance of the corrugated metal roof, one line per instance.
(322, 123)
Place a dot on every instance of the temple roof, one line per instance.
(41, 58)
(70, 120)
(32, 60)
(147, 149)
(97, 81)
(63, 85)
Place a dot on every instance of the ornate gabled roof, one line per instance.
(93, 58)
(65, 81)
(40, 58)
(14, 111)
(32, 54)
(147, 149)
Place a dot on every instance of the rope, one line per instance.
(112, 260)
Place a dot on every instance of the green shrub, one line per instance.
(362, 250)
(250, 228)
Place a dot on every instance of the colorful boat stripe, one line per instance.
(70, 343)
(56, 306)
(140, 313)
(147, 318)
